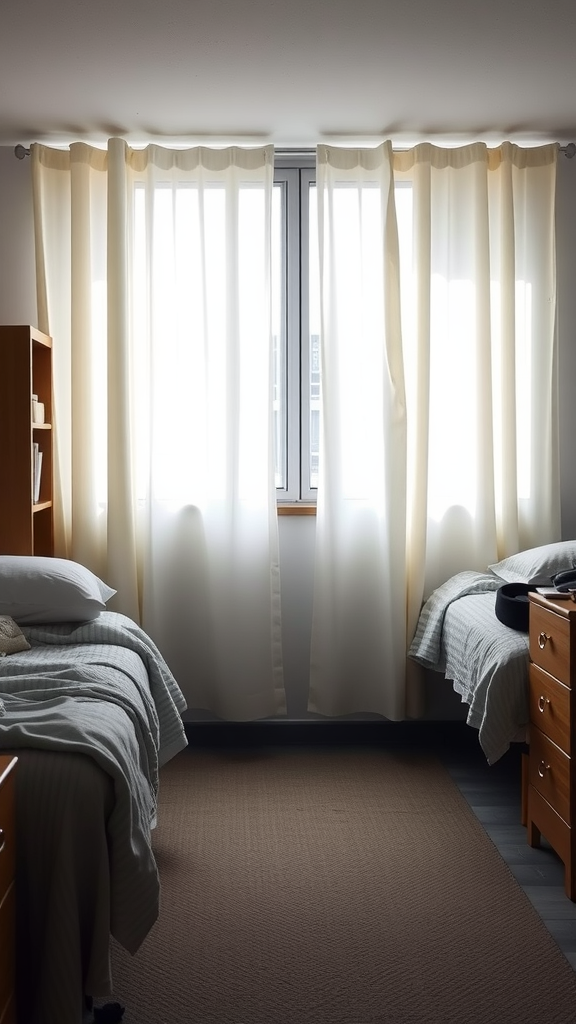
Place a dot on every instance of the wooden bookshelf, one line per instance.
(26, 528)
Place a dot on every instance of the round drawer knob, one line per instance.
(543, 639)
(542, 702)
(543, 768)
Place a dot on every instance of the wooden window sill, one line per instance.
(296, 508)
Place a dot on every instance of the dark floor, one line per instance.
(492, 791)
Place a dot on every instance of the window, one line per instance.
(297, 320)
(295, 305)
(296, 329)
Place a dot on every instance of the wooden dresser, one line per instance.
(551, 809)
(7, 892)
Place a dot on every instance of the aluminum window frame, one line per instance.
(295, 172)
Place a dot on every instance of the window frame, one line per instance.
(295, 172)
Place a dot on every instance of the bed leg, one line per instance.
(524, 798)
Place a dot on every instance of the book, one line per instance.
(35, 450)
(37, 473)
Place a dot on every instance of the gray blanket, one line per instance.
(459, 635)
(103, 689)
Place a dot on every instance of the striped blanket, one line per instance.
(459, 635)
(102, 689)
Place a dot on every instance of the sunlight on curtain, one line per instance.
(169, 343)
(438, 438)
(480, 381)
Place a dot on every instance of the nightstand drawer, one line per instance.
(550, 772)
(550, 707)
(550, 642)
(7, 843)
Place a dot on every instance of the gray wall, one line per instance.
(566, 271)
(17, 284)
(18, 305)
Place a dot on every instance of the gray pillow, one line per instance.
(35, 589)
(546, 560)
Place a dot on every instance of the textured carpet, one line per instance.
(334, 887)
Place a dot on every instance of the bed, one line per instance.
(92, 711)
(459, 635)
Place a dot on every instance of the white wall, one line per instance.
(18, 305)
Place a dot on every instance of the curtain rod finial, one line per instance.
(20, 152)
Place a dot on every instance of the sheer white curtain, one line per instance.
(154, 279)
(358, 648)
(439, 437)
(479, 308)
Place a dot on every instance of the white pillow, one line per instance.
(546, 560)
(35, 588)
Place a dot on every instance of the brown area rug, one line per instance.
(334, 887)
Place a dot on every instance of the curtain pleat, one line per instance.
(358, 648)
(122, 553)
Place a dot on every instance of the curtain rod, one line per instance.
(20, 152)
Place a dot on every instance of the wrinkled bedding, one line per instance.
(96, 702)
(459, 635)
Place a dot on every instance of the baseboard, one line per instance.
(330, 732)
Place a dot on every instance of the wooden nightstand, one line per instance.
(552, 741)
(7, 889)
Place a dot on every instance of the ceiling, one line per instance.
(290, 72)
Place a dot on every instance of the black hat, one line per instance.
(512, 606)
